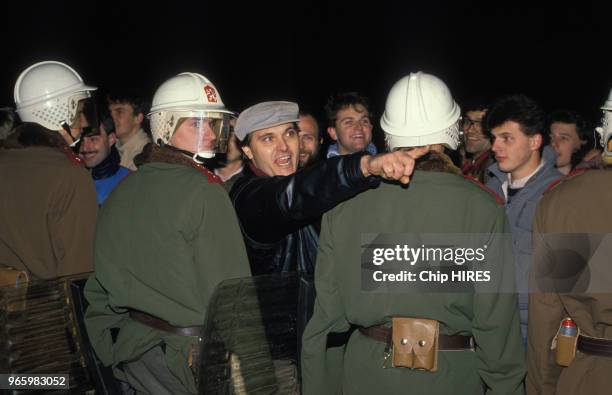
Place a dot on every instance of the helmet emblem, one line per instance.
(211, 94)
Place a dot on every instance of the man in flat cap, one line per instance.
(276, 205)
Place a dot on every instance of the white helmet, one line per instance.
(47, 93)
(420, 111)
(190, 95)
(605, 130)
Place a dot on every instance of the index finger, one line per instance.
(418, 152)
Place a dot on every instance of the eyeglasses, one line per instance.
(466, 123)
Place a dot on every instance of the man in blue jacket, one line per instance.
(520, 176)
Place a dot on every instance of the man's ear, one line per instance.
(112, 139)
(140, 118)
(535, 142)
(332, 133)
(247, 151)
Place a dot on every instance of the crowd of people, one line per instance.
(160, 203)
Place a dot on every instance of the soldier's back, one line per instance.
(45, 190)
(571, 277)
(433, 203)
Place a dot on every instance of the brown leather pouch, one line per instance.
(415, 343)
(565, 350)
(564, 345)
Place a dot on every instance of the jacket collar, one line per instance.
(333, 150)
(31, 134)
(168, 154)
(548, 156)
(108, 167)
(439, 162)
(138, 139)
(256, 170)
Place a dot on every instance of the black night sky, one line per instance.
(303, 51)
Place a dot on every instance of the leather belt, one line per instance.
(159, 324)
(595, 346)
(445, 342)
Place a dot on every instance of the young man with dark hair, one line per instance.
(570, 138)
(128, 111)
(349, 124)
(520, 176)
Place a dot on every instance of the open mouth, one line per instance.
(283, 161)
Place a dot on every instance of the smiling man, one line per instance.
(521, 175)
(98, 152)
(310, 139)
(477, 144)
(350, 126)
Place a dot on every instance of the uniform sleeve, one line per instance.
(100, 319)
(495, 326)
(72, 222)
(545, 314)
(220, 247)
(322, 367)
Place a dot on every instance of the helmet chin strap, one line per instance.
(201, 156)
(198, 157)
(66, 128)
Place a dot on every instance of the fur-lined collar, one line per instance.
(34, 135)
(154, 153)
(435, 161)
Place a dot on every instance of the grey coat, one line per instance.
(520, 212)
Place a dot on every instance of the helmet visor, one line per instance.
(202, 133)
(85, 119)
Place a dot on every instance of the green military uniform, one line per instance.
(578, 206)
(165, 238)
(434, 202)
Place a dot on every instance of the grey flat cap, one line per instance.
(265, 115)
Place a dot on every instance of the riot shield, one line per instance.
(250, 340)
(42, 331)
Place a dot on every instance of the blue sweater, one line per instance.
(104, 186)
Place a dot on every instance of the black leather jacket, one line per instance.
(277, 214)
